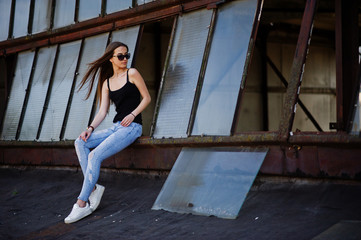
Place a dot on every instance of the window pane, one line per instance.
(17, 95)
(21, 18)
(60, 91)
(223, 75)
(210, 181)
(182, 74)
(64, 13)
(89, 9)
(116, 5)
(128, 36)
(42, 12)
(39, 88)
(140, 2)
(80, 109)
(5, 8)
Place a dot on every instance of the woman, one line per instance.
(123, 87)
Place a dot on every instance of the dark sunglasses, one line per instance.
(121, 56)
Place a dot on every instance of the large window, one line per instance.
(59, 91)
(182, 74)
(219, 88)
(225, 68)
(36, 16)
(193, 65)
(37, 94)
(17, 95)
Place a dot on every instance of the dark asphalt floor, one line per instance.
(34, 203)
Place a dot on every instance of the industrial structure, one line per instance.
(279, 74)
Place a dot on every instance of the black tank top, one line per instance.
(126, 99)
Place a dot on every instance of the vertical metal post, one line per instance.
(293, 90)
(264, 90)
(346, 60)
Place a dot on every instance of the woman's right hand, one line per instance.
(86, 134)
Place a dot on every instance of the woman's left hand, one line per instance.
(127, 120)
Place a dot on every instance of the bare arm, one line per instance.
(99, 117)
(137, 79)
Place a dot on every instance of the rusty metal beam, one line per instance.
(144, 13)
(347, 82)
(315, 161)
(335, 139)
(299, 60)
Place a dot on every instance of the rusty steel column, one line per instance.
(293, 90)
(346, 60)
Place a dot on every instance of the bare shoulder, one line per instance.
(134, 75)
(133, 72)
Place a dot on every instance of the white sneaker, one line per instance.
(96, 196)
(78, 213)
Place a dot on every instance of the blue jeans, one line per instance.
(104, 143)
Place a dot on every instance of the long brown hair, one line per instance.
(105, 67)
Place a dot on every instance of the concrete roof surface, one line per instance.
(34, 203)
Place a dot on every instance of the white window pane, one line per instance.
(64, 13)
(37, 95)
(129, 37)
(80, 109)
(5, 8)
(89, 9)
(140, 2)
(17, 95)
(42, 12)
(60, 91)
(182, 74)
(223, 75)
(21, 18)
(116, 5)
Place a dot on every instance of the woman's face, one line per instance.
(122, 61)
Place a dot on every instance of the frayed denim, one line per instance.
(104, 143)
